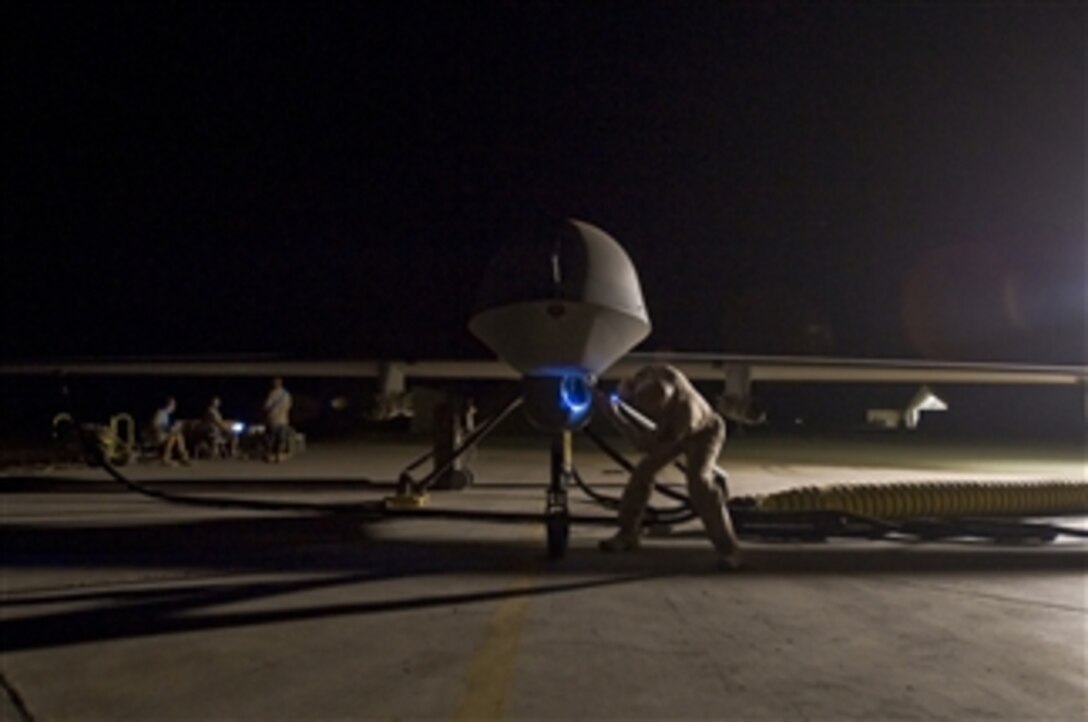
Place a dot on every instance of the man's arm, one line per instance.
(607, 404)
(217, 420)
(660, 452)
(645, 438)
(673, 427)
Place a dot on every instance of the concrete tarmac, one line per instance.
(121, 607)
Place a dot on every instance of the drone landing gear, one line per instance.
(556, 510)
(411, 494)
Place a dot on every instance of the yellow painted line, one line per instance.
(491, 670)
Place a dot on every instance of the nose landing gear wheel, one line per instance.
(558, 526)
(556, 510)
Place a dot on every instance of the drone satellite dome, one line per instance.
(569, 303)
(560, 308)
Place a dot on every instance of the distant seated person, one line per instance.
(224, 440)
(167, 434)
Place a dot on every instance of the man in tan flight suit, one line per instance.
(685, 424)
(277, 417)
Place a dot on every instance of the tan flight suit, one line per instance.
(277, 413)
(686, 424)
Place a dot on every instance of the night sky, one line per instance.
(331, 179)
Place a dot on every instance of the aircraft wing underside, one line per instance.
(697, 366)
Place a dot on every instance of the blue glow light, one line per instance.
(575, 397)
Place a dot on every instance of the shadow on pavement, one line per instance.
(313, 553)
(234, 569)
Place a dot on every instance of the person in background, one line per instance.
(277, 419)
(167, 434)
(220, 433)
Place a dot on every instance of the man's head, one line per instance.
(277, 383)
(215, 402)
(647, 390)
(171, 404)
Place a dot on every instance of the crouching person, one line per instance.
(685, 424)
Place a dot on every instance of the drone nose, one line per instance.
(565, 304)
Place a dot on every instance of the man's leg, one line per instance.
(633, 504)
(278, 443)
(270, 443)
(284, 442)
(706, 498)
(166, 449)
(179, 442)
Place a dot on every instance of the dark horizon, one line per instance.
(330, 180)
